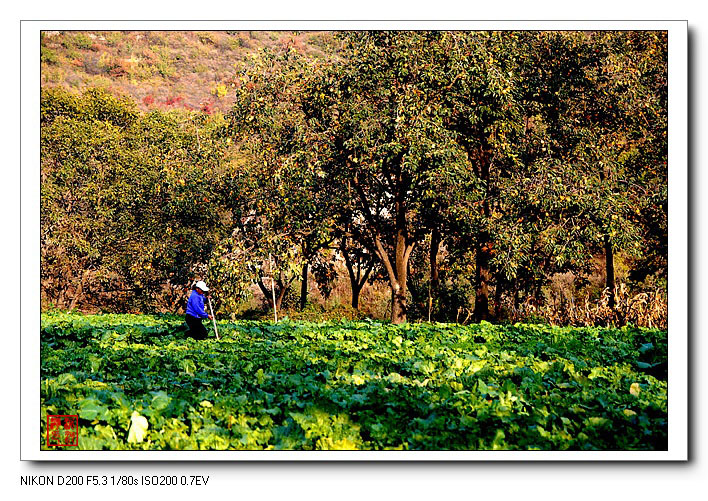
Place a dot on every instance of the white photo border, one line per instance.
(30, 439)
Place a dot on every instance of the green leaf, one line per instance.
(91, 409)
(482, 388)
(66, 379)
(160, 400)
(597, 421)
(646, 347)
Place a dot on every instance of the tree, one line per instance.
(360, 264)
(574, 151)
(628, 118)
(602, 103)
(375, 113)
(487, 141)
(288, 215)
(130, 201)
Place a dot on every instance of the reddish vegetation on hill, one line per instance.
(189, 69)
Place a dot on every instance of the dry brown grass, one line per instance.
(644, 309)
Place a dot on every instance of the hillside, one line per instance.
(189, 69)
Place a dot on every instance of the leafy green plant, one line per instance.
(137, 383)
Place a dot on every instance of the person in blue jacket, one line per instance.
(195, 311)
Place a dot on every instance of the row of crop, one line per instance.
(647, 348)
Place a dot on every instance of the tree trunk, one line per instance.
(355, 296)
(356, 279)
(482, 276)
(434, 270)
(610, 270)
(397, 275)
(399, 307)
(353, 278)
(266, 291)
(280, 290)
(79, 290)
(418, 296)
(482, 273)
(396, 268)
(303, 286)
(281, 294)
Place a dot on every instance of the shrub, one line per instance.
(158, 38)
(48, 56)
(172, 100)
(113, 38)
(72, 54)
(207, 107)
(163, 65)
(220, 91)
(107, 63)
(224, 42)
(101, 82)
(644, 309)
(91, 64)
(323, 41)
(317, 313)
(54, 76)
(82, 41)
(236, 43)
(206, 38)
(140, 71)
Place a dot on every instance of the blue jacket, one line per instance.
(195, 305)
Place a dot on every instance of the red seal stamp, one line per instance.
(62, 431)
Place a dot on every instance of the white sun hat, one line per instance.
(201, 285)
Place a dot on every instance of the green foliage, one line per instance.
(94, 105)
(288, 217)
(48, 56)
(78, 40)
(518, 146)
(126, 197)
(163, 62)
(137, 383)
(113, 38)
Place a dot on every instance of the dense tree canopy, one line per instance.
(471, 167)
(130, 202)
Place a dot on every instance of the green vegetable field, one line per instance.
(136, 382)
